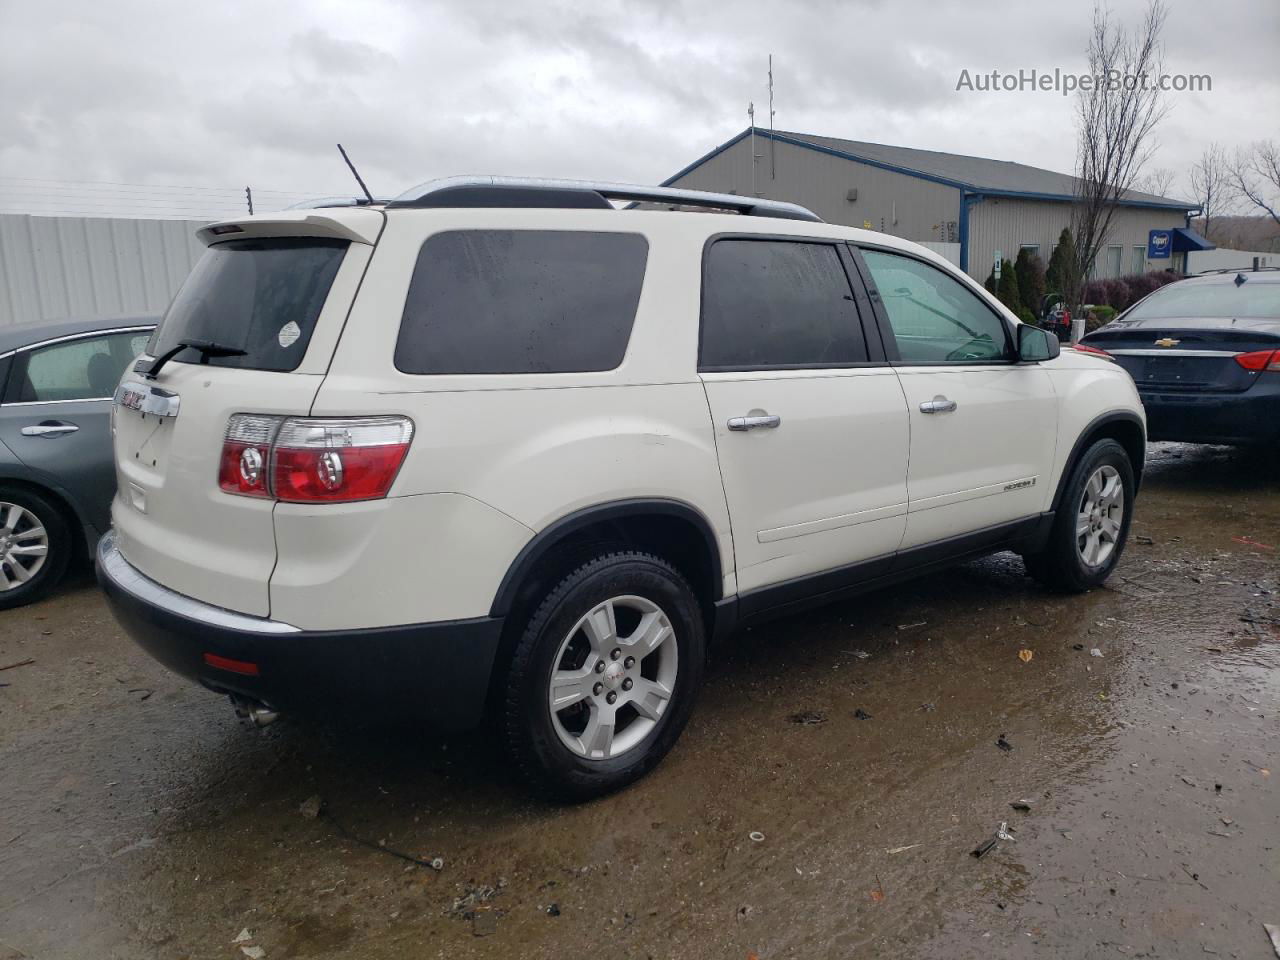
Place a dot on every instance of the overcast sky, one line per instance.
(221, 94)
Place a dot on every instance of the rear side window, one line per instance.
(521, 301)
(260, 296)
(83, 369)
(777, 304)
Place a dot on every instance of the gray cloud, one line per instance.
(237, 92)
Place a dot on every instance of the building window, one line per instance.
(1031, 248)
(1115, 254)
(1139, 259)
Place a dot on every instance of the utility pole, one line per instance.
(773, 157)
(248, 196)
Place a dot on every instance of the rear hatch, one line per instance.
(1187, 354)
(271, 297)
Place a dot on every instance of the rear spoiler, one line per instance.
(358, 226)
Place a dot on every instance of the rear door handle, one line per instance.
(750, 423)
(50, 429)
(938, 404)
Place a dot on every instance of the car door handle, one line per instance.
(750, 423)
(49, 429)
(938, 404)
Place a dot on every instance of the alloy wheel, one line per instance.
(1100, 516)
(24, 545)
(613, 677)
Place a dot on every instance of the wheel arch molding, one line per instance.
(616, 518)
(1123, 426)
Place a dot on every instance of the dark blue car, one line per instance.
(1205, 355)
(57, 474)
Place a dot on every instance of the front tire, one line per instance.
(604, 676)
(35, 546)
(1092, 524)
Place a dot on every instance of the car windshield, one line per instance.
(1251, 299)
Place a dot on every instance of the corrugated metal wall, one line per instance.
(889, 202)
(1004, 224)
(53, 267)
(1225, 258)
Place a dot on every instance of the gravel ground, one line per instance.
(825, 801)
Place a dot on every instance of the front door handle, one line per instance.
(49, 429)
(750, 423)
(938, 404)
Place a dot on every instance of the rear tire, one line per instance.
(30, 523)
(1092, 523)
(620, 646)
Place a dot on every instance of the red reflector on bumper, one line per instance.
(233, 666)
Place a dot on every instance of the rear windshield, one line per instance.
(1250, 299)
(260, 296)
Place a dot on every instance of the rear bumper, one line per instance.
(1246, 417)
(439, 672)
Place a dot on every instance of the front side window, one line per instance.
(935, 318)
(777, 304)
(521, 301)
(84, 369)
(261, 296)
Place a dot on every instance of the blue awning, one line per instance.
(1186, 240)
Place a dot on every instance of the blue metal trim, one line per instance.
(967, 199)
(907, 171)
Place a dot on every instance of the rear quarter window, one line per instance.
(521, 301)
(262, 296)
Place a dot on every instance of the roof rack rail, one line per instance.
(321, 202)
(1244, 269)
(482, 191)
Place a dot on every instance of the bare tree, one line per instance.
(1115, 118)
(1159, 181)
(1210, 183)
(1255, 176)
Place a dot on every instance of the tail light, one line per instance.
(1093, 352)
(326, 460)
(313, 460)
(246, 451)
(1260, 360)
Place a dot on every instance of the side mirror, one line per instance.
(1035, 344)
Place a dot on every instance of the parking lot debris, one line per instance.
(253, 952)
(860, 654)
(21, 663)
(1145, 541)
(1025, 655)
(311, 807)
(1273, 931)
(380, 846)
(1004, 744)
(912, 626)
(1002, 832)
(1095, 652)
(1023, 805)
(911, 846)
(862, 714)
(807, 717)
(984, 848)
(928, 707)
(244, 936)
(1252, 543)
(553, 910)
(756, 836)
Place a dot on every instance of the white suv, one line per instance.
(499, 446)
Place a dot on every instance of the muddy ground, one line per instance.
(138, 818)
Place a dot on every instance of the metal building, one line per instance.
(939, 199)
(54, 267)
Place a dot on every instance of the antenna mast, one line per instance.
(751, 116)
(360, 181)
(773, 159)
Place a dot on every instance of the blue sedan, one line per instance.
(57, 474)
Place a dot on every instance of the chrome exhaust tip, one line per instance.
(259, 713)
